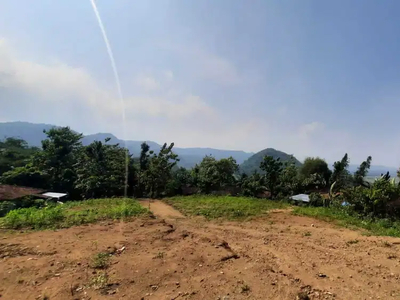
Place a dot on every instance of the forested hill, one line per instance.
(189, 157)
(253, 163)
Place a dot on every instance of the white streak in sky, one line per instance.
(121, 98)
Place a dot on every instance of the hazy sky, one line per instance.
(305, 77)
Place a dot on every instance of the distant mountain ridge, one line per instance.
(33, 134)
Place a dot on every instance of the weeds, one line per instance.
(386, 244)
(245, 288)
(100, 281)
(382, 227)
(213, 207)
(100, 260)
(72, 213)
(307, 233)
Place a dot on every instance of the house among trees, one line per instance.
(13, 197)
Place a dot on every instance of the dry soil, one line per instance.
(280, 256)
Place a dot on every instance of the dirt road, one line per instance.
(277, 257)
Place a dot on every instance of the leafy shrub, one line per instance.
(100, 260)
(316, 200)
(375, 200)
(5, 207)
(253, 185)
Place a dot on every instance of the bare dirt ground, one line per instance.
(277, 257)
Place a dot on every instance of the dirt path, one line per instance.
(276, 257)
(161, 209)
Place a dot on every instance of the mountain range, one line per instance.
(33, 134)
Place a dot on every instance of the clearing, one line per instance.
(274, 256)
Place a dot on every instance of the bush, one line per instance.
(374, 201)
(253, 185)
(316, 200)
(5, 207)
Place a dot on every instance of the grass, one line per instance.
(380, 227)
(72, 213)
(213, 207)
(100, 281)
(100, 260)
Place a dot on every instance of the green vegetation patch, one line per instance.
(100, 260)
(213, 207)
(72, 213)
(382, 227)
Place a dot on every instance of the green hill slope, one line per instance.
(253, 163)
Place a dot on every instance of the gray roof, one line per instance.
(301, 197)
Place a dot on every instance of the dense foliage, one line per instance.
(101, 169)
(252, 164)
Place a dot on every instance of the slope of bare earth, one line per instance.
(276, 257)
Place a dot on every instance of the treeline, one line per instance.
(98, 170)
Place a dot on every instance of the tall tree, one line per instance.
(212, 174)
(273, 169)
(315, 167)
(101, 171)
(362, 171)
(14, 153)
(57, 160)
(158, 172)
(289, 179)
(340, 173)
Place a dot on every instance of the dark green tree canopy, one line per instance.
(212, 174)
(315, 166)
(272, 168)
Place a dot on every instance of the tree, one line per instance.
(180, 178)
(142, 166)
(14, 153)
(58, 158)
(253, 185)
(340, 174)
(27, 175)
(273, 169)
(289, 179)
(158, 170)
(213, 175)
(101, 171)
(362, 171)
(315, 167)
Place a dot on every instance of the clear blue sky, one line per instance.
(306, 77)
